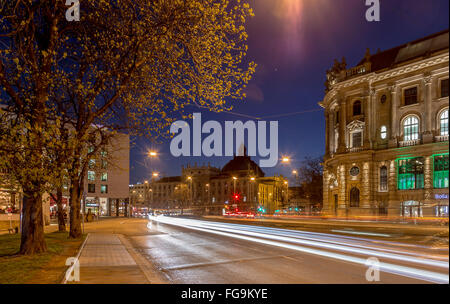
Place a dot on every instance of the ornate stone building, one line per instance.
(387, 132)
(205, 189)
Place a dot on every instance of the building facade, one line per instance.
(387, 132)
(240, 185)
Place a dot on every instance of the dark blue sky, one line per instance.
(294, 42)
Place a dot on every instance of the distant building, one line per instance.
(240, 184)
(387, 132)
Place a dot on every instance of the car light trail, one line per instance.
(284, 242)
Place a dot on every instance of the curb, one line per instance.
(70, 269)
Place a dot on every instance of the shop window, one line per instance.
(440, 172)
(410, 173)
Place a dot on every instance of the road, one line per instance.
(200, 252)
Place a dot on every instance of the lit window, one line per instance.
(383, 178)
(440, 175)
(444, 88)
(104, 177)
(411, 128)
(104, 164)
(91, 175)
(91, 163)
(91, 188)
(444, 122)
(410, 96)
(410, 173)
(356, 139)
(104, 188)
(383, 132)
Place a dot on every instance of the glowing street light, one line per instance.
(152, 153)
(155, 174)
(295, 172)
(285, 160)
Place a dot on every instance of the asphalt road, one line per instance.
(194, 251)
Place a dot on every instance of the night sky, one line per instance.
(294, 42)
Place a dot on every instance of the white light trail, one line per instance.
(279, 241)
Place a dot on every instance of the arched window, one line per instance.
(443, 122)
(411, 128)
(383, 132)
(383, 178)
(354, 197)
(357, 108)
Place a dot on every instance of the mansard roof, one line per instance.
(420, 48)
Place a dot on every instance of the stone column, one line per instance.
(342, 188)
(331, 131)
(393, 209)
(342, 125)
(365, 193)
(367, 122)
(394, 119)
(428, 132)
(328, 122)
(428, 180)
(325, 190)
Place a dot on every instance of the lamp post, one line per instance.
(287, 192)
(189, 178)
(251, 190)
(152, 154)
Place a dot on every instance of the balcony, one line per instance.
(355, 149)
(409, 143)
(441, 138)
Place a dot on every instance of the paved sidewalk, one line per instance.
(105, 259)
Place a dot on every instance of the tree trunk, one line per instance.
(59, 204)
(32, 240)
(75, 209)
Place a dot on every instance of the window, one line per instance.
(383, 132)
(104, 164)
(91, 163)
(356, 139)
(354, 197)
(443, 121)
(104, 177)
(90, 149)
(410, 173)
(91, 175)
(444, 88)
(440, 175)
(91, 188)
(357, 108)
(103, 188)
(383, 178)
(410, 96)
(104, 153)
(411, 128)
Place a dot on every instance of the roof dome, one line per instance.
(243, 164)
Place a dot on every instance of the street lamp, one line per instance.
(285, 159)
